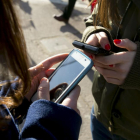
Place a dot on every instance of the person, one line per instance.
(64, 17)
(116, 85)
(18, 83)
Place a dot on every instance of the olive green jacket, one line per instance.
(118, 107)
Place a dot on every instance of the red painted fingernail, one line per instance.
(91, 56)
(117, 41)
(111, 65)
(107, 47)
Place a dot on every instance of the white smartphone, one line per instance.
(68, 74)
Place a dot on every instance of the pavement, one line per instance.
(46, 37)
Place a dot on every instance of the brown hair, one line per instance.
(107, 11)
(13, 55)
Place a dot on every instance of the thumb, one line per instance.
(71, 100)
(125, 43)
(43, 89)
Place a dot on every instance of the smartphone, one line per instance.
(91, 49)
(68, 74)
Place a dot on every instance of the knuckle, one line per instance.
(103, 39)
(41, 88)
(126, 40)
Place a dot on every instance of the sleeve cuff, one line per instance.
(60, 121)
(92, 30)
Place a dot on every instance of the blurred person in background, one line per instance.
(116, 85)
(18, 83)
(64, 17)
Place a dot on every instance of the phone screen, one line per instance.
(67, 73)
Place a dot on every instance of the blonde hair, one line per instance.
(107, 11)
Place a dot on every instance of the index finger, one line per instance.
(103, 40)
(47, 63)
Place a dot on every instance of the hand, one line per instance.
(70, 101)
(98, 39)
(116, 67)
(43, 69)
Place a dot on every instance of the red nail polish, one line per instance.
(117, 41)
(107, 47)
(91, 56)
(111, 65)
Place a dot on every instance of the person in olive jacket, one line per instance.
(116, 84)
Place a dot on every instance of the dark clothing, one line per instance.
(68, 9)
(48, 120)
(45, 120)
(99, 132)
(117, 107)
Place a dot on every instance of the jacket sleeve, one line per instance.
(92, 30)
(132, 81)
(48, 120)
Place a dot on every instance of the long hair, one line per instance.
(107, 11)
(13, 55)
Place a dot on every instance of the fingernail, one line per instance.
(107, 47)
(91, 57)
(111, 65)
(117, 41)
(44, 79)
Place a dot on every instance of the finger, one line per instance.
(111, 76)
(115, 58)
(92, 40)
(43, 89)
(46, 64)
(36, 81)
(49, 72)
(103, 40)
(126, 43)
(43, 74)
(109, 73)
(112, 67)
(71, 100)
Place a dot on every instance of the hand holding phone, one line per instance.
(68, 74)
(91, 49)
(43, 93)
